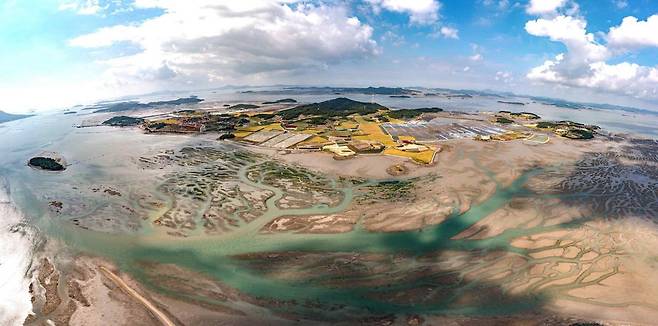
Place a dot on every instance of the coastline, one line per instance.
(15, 261)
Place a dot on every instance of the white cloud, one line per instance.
(82, 7)
(582, 49)
(475, 57)
(467, 68)
(419, 11)
(543, 7)
(634, 33)
(504, 76)
(584, 63)
(201, 41)
(623, 78)
(449, 32)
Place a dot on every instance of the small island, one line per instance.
(281, 101)
(243, 106)
(511, 102)
(46, 163)
(123, 121)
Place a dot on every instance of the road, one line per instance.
(130, 291)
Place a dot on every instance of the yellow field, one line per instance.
(313, 131)
(348, 124)
(272, 126)
(394, 120)
(251, 128)
(372, 132)
(242, 134)
(169, 121)
(253, 113)
(407, 138)
(314, 141)
(422, 157)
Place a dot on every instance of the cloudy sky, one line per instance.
(55, 53)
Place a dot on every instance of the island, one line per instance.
(123, 121)
(134, 105)
(281, 101)
(46, 163)
(6, 117)
(511, 102)
(243, 106)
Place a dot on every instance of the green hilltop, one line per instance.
(341, 106)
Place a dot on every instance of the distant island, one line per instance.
(285, 100)
(510, 102)
(6, 117)
(123, 121)
(243, 106)
(412, 113)
(399, 96)
(340, 90)
(134, 105)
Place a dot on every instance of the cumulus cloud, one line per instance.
(449, 32)
(214, 41)
(584, 64)
(634, 33)
(419, 11)
(582, 49)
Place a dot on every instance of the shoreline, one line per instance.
(15, 260)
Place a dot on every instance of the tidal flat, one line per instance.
(209, 231)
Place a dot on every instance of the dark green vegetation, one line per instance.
(226, 136)
(579, 134)
(243, 106)
(510, 102)
(6, 117)
(134, 105)
(525, 115)
(285, 100)
(392, 190)
(45, 163)
(332, 108)
(264, 116)
(123, 121)
(570, 129)
(503, 120)
(411, 113)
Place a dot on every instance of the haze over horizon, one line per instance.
(59, 53)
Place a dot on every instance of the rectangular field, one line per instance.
(441, 131)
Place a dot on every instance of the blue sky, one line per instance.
(55, 53)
